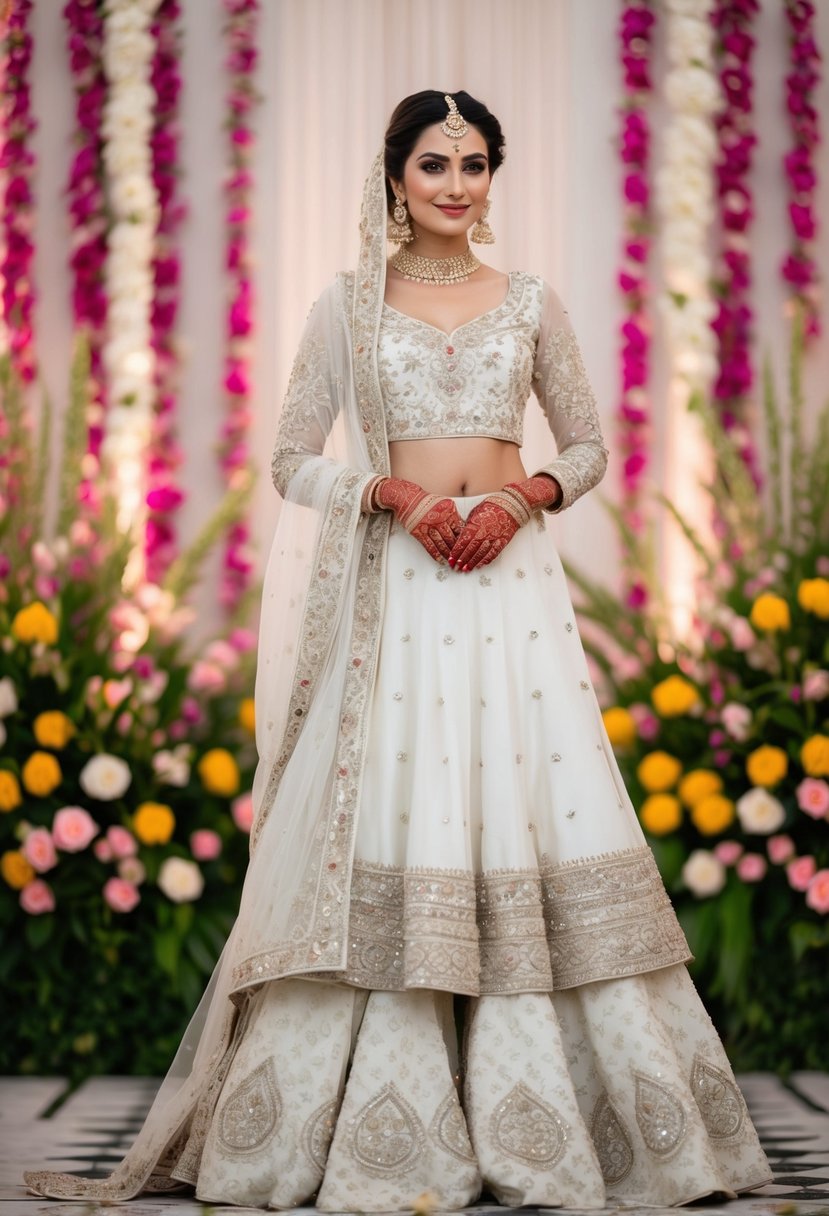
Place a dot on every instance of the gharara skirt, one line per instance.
(515, 1016)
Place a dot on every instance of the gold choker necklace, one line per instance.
(440, 271)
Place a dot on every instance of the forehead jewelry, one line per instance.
(454, 125)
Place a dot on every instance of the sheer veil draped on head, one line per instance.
(320, 622)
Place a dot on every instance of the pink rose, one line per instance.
(812, 797)
(780, 849)
(101, 849)
(121, 842)
(728, 852)
(39, 850)
(752, 867)
(205, 845)
(222, 653)
(241, 809)
(816, 685)
(736, 719)
(800, 872)
(742, 635)
(37, 897)
(206, 677)
(120, 895)
(817, 895)
(73, 829)
(116, 691)
(132, 870)
(647, 723)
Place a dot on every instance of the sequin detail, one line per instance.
(528, 1129)
(251, 1114)
(660, 1116)
(387, 1137)
(613, 1144)
(720, 1102)
(449, 1128)
(318, 1133)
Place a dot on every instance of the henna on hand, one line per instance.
(432, 520)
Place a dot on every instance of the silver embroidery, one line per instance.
(528, 1129)
(318, 1133)
(660, 1116)
(387, 1137)
(251, 1114)
(613, 1146)
(449, 1128)
(720, 1102)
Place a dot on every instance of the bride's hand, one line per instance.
(486, 533)
(432, 520)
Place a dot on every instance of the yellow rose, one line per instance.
(660, 814)
(53, 729)
(35, 623)
(712, 814)
(658, 772)
(767, 766)
(247, 715)
(153, 823)
(813, 596)
(10, 795)
(620, 726)
(219, 772)
(41, 774)
(814, 756)
(16, 870)
(674, 696)
(770, 613)
(698, 784)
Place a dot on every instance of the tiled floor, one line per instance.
(91, 1130)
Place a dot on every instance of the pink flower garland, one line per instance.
(243, 17)
(17, 161)
(164, 497)
(732, 20)
(633, 414)
(799, 269)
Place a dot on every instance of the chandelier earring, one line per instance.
(399, 229)
(480, 232)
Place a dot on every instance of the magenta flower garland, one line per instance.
(164, 494)
(234, 458)
(733, 21)
(17, 162)
(799, 269)
(633, 414)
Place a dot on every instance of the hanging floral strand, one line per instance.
(165, 495)
(17, 161)
(732, 21)
(633, 415)
(234, 458)
(799, 269)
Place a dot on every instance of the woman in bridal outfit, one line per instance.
(455, 967)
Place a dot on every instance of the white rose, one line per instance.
(173, 767)
(760, 812)
(703, 873)
(105, 777)
(180, 880)
(8, 697)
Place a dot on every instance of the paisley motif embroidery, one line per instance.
(387, 1136)
(251, 1114)
(718, 1099)
(660, 1116)
(613, 1146)
(318, 1133)
(449, 1127)
(527, 1129)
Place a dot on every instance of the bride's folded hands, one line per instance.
(432, 519)
(492, 524)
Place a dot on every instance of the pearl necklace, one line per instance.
(440, 271)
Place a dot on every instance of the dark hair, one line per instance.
(413, 114)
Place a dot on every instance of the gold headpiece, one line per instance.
(455, 125)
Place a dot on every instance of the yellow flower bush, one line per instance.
(660, 814)
(814, 756)
(620, 726)
(219, 772)
(153, 823)
(35, 623)
(674, 696)
(712, 814)
(698, 784)
(53, 729)
(16, 870)
(813, 596)
(658, 771)
(767, 766)
(41, 774)
(10, 795)
(247, 715)
(770, 613)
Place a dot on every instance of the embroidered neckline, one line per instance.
(515, 280)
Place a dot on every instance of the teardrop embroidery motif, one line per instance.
(252, 1112)
(613, 1146)
(449, 1127)
(718, 1099)
(388, 1136)
(318, 1133)
(526, 1128)
(660, 1116)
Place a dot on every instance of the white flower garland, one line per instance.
(128, 49)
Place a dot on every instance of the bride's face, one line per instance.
(445, 181)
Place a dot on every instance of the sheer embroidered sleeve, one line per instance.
(560, 382)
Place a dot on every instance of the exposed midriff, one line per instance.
(458, 467)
